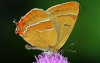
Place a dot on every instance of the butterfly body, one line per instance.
(48, 30)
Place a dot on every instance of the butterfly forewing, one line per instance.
(64, 17)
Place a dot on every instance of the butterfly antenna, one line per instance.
(61, 51)
(70, 45)
(72, 50)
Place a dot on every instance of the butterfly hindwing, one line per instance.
(38, 29)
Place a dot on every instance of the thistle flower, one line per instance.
(50, 58)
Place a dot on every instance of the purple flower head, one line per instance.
(51, 58)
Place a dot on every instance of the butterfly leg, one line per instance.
(61, 52)
(30, 47)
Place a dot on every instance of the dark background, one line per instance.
(86, 31)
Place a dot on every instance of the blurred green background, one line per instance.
(86, 31)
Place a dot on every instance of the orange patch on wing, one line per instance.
(42, 26)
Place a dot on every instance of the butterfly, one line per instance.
(48, 30)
